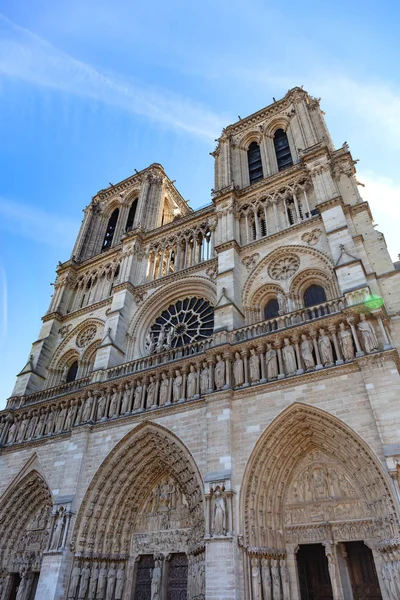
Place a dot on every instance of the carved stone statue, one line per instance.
(151, 390)
(58, 528)
(271, 360)
(164, 388)
(114, 403)
(160, 340)
(219, 373)
(169, 338)
(101, 406)
(367, 332)
(329, 551)
(177, 386)
(73, 586)
(306, 349)
(285, 580)
(204, 379)
(126, 397)
(254, 364)
(12, 432)
(137, 403)
(149, 344)
(346, 342)
(60, 424)
(120, 582)
(266, 579)
(102, 582)
(191, 382)
(238, 370)
(23, 586)
(84, 585)
(87, 408)
(219, 514)
(156, 580)
(94, 576)
(111, 575)
(256, 579)
(289, 357)
(22, 429)
(276, 580)
(325, 348)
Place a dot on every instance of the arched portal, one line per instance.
(24, 531)
(143, 507)
(310, 480)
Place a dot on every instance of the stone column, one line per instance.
(333, 566)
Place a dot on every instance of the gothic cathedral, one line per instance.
(211, 409)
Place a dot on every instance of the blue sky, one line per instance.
(92, 89)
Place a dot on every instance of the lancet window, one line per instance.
(131, 215)
(254, 162)
(111, 226)
(94, 285)
(282, 150)
(188, 249)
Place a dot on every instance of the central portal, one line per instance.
(314, 580)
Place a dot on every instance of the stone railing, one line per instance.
(157, 383)
(49, 393)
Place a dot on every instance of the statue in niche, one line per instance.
(84, 585)
(87, 408)
(306, 350)
(94, 576)
(126, 399)
(369, 339)
(149, 344)
(111, 575)
(272, 362)
(334, 484)
(346, 342)
(254, 364)
(160, 340)
(60, 519)
(266, 578)
(219, 373)
(177, 386)
(276, 580)
(102, 582)
(151, 389)
(73, 586)
(325, 348)
(61, 417)
(320, 484)
(285, 580)
(12, 432)
(22, 429)
(137, 403)
(191, 382)
(169, 338)
(50, 422)
(101, 407)
(204, 379)
(219, 513)
(164, 388)
(156, 580)
(114, 403)
(282, 303)
(289, 357)
(238, 370)
(41, 423)
(256, 579)
(120, 582)
(329, 551)
(31, 426)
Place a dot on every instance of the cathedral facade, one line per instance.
(211, 409)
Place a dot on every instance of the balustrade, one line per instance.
(234, 364)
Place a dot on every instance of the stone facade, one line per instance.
(211, 407)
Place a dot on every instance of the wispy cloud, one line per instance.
(27, 57)
(38, 225)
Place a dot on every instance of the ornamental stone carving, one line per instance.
(86, 336)
(284, 267)
(311, 237)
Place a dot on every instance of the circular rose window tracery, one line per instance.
(186, 321)
(284, 268)
(86, 336)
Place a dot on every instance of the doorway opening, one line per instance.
(362, 571)
(314, 580)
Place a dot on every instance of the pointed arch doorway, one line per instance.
(312, 486)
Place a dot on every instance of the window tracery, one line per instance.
(284, 267)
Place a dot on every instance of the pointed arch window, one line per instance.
(315, 294)
(72, 372)
(131, 215)
(271, 309)
(254, 161)
(282, 150)
(111, 226)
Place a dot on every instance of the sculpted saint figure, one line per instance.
(219, 514)
(84, 585)
(156, 580)
(50, 422)
(23, 585)
(101, 585)
(238, 370)
(306, 349)
(169, 338)
(160, 340)
(151, 388)
(31, 426)
(87, 408)
(58, 529)
(276, 580)
(325, 348)
(114, 403)
(111, 574)
(40, 424)
(126, 399)
(138, 395)
(204, 379)
(177, 386)
(266, 578)
(73, 586)
(272, 362)
(219, 373)
(101, 407)
(346, 342)
(22, 429)
(164, 388)
(61, 418)
(368, 336)
(285, 580)
(119, 584)
(12, 432)
(256, 579)
(149, 344)
(191, 382)
(94, 576)
(254, 363)
(289, 357)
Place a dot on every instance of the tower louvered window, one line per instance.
(112, 224)
(255, 164)
(282, 150)
(131, 215)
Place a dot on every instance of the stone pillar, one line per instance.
(333, 566)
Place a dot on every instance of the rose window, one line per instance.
(86, 336)
(284, 268)
(184, 322)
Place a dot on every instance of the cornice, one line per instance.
(85, 309)
(229, 245)
(331, 203)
